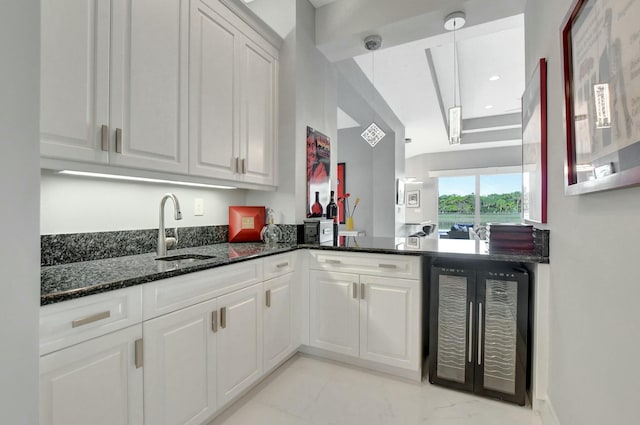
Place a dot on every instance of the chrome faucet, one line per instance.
(162, 238)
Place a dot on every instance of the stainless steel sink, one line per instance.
(185, 258)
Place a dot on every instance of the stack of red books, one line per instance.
(510, 238)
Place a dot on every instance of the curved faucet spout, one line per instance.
(162, 239)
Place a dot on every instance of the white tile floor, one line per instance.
(311, 391)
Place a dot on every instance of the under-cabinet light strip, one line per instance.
(142, 179)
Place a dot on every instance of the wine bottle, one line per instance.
(316, 208)
(332, 207)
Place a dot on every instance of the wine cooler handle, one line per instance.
(470, 344)
(480, 333)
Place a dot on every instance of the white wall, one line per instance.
(19, 174)
(71, 204)
(593, 302)
(316, 101)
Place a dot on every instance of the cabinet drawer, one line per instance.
(278, 265)
(70, 322)
(167, 295)
(403, 266)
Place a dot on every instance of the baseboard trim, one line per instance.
(411, 375)
(545, 409)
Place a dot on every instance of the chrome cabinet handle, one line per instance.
(281, 265)
(104, 136)
(362, 286)
(268, 297)
(118, 140)
(223, 317)
(387, 266)
(355, 290)
(139, 353)
(214, 321)
(332, 261)
(470, 344)
(479, 333)
(244, 166)
(91, 319)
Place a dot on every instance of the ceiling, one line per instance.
(416, 80)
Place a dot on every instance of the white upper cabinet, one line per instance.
(176, 86)
(74, 79)
(149, 83)
(233, 98)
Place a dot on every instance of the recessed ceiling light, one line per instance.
(494, 78)
(488, 107)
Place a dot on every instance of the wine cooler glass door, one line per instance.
(452, 328)
(501, 356)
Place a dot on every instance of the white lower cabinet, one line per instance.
(371, 317)
(239, 342)
(95, 382)
(278, 325)
(390, 321)
(180, 366)
(333, 309)
(200, 357)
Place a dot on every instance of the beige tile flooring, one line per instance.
(311, 391)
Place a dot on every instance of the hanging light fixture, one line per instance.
(373, 134)
(453, 22)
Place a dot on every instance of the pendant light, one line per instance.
(373, 134)
(453, 22)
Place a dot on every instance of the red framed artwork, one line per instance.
(602, 89)
(342, 189)
(534, 146)
(318, 172)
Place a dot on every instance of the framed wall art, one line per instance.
(534, 146)
(318, 170)
(342, 189)
(602, 89)
(413, 199)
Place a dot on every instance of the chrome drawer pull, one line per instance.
(91, 319)
(104, 135)
(118, 140)
(268, 297)
(281, 265)
(387, 266)
(362, 286)
(223, 317)
(214, 321)
(139, 355)
(355, 290)
(332, 261)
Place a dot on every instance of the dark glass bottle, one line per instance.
(332, 207)
(316, 208)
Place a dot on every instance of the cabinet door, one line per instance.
(74, 78)
(149, 77)
(390, 321)
(501, 357)
(453, 309)
(180, 366)
(239, 341)
(278, 332)
(334, 305)
(213, 88)
(258, 114)
(95, 382)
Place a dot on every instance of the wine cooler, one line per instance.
(478, 331)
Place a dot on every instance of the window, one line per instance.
(477, 200)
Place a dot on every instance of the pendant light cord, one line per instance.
(455, 66)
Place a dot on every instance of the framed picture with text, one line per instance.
(602, 85)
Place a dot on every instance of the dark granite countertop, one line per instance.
(74, 280)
